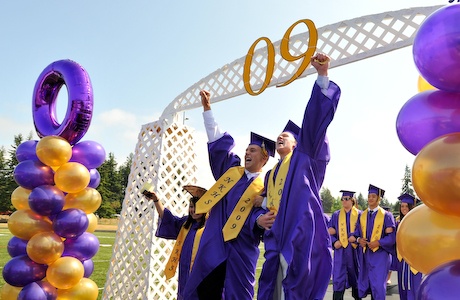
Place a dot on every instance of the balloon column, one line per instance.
(428, 126)
(52, 245)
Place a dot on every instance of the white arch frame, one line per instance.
(165, 157)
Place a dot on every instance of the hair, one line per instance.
(190, 220)
(401, 216)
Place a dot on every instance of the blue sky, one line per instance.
(141, 54)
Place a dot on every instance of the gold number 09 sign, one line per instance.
(284, 51)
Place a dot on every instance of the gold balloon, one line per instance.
(92, 223)
(53, 150)
(436, 174)
(87, 200)
(20, 198)
(423, 85)
(72, 177)
(65, 272)
(86, 289)
(426, 239)
(45, 247)
(25, 223)
(10, 292)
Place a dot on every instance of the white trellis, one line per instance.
(165, 157)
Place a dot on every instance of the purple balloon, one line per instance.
(95, 178)
(88, 265)
(26, 151)
(46, 200)
(32, 173)
(79, 109)
(17, 246)
(435, 48)
(21, 270)
(70, 223)
(82, 247)
(427, 116)
(91, 154)
(40, 290)
(441, 283)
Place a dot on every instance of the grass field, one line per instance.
(101, 259)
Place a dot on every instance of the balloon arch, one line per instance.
(164, 155)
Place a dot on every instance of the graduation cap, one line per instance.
(375, 190)
(347, 193)
(195, 191)
(407, 198)
(292, 128)
(264, 143)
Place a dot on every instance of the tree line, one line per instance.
(114, 179)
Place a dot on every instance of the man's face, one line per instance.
(254, 159)
(347, 203)
(285, 143)
(373, 200)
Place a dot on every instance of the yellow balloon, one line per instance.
(45, 247)
(72, 177)
(436, 174)
(25, 223)
(92, 223)
(423, 85)
(427, 239)
(86, 289)
(53, 150)
(65, 272)
(20, 198)
(10, 292)
(87, 200)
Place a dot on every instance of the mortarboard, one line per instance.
(375, 190)
(407, 198)
(292, 128)
(264, 143)
(347, 193)
(195, 191)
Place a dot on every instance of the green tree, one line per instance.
(362, 203)
(110, 188)
(337, 204)
(327, 199)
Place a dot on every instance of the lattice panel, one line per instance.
(164, 157)
(345, 42)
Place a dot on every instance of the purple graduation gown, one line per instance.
(408, 282)
(300, 232)
(241, 253)
(169, 228)
(374, 266)
(345, 267)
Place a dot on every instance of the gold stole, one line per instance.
(275, 187)
(241, 211)
(343, 234)
(378, 225)
(196, 243)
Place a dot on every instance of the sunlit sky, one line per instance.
(141, 54)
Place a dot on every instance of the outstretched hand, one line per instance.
(320, 62)
(205, 99)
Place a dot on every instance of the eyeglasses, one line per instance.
(346, 198)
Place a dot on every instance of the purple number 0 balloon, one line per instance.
(80, 106)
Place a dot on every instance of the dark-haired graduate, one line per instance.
(376, 236)
(185, 230)
(298, 253)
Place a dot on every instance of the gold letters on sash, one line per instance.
(378, 226)
(173, 260)
(343, 234)
(275, 187)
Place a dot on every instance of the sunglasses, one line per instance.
(346, 198)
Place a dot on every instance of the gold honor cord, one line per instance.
(241, 211)
(378, 226)
(218, 190)
(275, 187)
(173, 260)
(343, 234)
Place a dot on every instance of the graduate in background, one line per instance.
(298, 253)
(185, 230)
(342, 227)
(409, 279)
(376, 236)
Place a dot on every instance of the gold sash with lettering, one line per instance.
(275, 187)
(343, 234)
(378, 226)
(241, 211)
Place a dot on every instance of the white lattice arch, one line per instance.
(165, 157)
